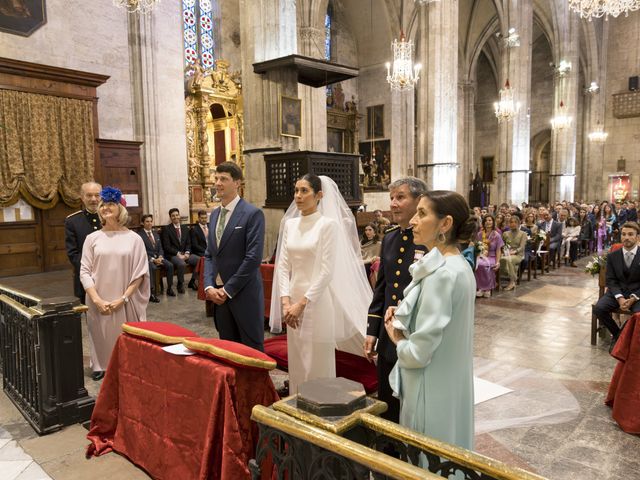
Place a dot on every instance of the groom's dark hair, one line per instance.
(314, 181)
(231, 168)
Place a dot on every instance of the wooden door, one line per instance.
(55, 252)
(120, 167)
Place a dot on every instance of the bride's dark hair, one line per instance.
(314, 181)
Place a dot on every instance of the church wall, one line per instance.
(623, 56)
(92, 39)
(486, 134)
(345, 51)
(230, 41)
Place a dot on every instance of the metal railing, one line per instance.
(294, 448)
(41, 351)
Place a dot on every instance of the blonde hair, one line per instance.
(123, 215)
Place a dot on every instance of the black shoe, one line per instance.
(180, 288)
(170, 292)
(154, 299)
(97, 376)
(614, 339)
(193, 285)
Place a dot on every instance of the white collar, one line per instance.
(148, 231)
(634, 250)
(231, 206)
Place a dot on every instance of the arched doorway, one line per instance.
(539, 167)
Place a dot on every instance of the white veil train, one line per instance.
(349, 286)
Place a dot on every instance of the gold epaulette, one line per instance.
(74, 213)
(391, 229)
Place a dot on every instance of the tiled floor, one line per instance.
(534, 340)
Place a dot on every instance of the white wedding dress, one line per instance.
(305, 269)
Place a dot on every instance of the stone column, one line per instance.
(514, 135)
(563, 142)
(402, 133)
(466, 140)
(268, 30)
(157, 90)
(438, 94)
(314, 100)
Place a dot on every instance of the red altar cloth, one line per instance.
(623, 395)
(178, 417)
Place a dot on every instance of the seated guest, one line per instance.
(199, 235)
(622, 281)
(500, 224)
(176, 242)
(586, 228)
(370, 247)
(530, 224)
(570, 235)
(380, 222)
(155, 254)
(489, 242)
(553, 230)
(515, 242)
(632, 213)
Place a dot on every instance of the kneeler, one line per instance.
(348, 365)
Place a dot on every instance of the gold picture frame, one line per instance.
(290, 113)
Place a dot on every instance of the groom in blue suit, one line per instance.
(232, 279)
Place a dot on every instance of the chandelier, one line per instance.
(402, 74)
(598, 8)
(598, 135)
(561, 120)
(133, 6)
(506, 107)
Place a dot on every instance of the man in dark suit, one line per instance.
(76, 228)
(623, 280)
(155, 254)
(176, 242)
(199, 234)
(632, 213)
(397, 253)
(232, 277)
(554, 231)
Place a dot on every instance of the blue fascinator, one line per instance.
(112, 195)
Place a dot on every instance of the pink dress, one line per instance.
(485, 275)
(110, 262)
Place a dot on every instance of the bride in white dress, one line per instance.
(320, 288)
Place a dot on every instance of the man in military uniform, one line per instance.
(76, 228)
(396, 254)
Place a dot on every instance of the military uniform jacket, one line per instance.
(76, 228)
(396, 254)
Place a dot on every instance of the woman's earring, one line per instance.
(442, 238)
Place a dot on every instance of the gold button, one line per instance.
(399, 260)
(401, 249)
(405, 238)
(95, 228)
(94, 220)
(395, 285)
(398, 273)
(393, 297)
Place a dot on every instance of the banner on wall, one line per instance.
(619, 187)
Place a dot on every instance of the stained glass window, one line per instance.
(199, 32)
(327, 43)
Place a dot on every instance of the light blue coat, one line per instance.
(434, 374)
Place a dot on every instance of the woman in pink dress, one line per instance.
(114, 272)
(490, 243)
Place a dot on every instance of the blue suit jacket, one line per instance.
(237, 259)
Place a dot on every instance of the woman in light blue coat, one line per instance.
(433, 326)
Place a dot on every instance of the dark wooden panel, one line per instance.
(55, 253)
(20, 248)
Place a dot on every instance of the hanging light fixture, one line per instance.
(561, 120)
(603, 8)
(402, 74)
(598, 135)
(133, 6)
(506, 107)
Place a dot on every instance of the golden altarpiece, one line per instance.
(214, 126)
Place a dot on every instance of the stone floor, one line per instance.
(534, 340)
